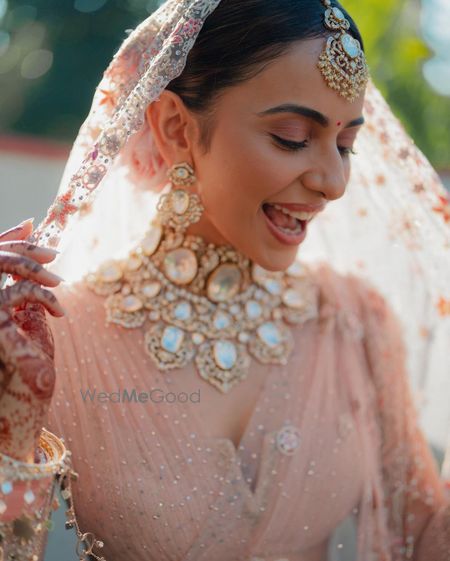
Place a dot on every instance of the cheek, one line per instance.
(244, 170)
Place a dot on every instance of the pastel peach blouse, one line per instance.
(155, 485)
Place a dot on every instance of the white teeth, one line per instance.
(299, 215)
(293, 232)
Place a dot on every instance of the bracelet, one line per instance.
(27, 497)
(56, 456)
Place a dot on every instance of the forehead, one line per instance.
(294, 77)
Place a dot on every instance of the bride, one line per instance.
(224, 374)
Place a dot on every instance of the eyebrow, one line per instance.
(309, 113)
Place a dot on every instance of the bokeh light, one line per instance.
(437, 70)
(36, 64)
(21, 15)
(88, 5)
(437, 73)
(3, 8)
(10, 59)
(30, 36)
(434, 14)
(5, 41)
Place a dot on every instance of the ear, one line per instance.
(171, 126)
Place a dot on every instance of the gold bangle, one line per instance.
(23, 535)
(27, 496)
(57, 457)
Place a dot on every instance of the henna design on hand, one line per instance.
(27, 383)
(28, 291)
(27, 374)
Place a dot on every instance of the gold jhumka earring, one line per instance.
(179, 208)
(205, 303)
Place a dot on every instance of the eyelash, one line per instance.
(296, 146)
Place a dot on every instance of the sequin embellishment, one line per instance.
(288, 440)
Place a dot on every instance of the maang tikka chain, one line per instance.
(342, 63)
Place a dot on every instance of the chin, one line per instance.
(276, 261)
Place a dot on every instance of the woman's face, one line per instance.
(262, 154)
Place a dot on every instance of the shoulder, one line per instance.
(337, 292)
(341, 290)
(351, 299)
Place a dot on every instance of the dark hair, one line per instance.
(236, 40)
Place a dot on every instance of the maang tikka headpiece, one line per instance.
(342, 63)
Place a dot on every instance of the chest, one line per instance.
(221, 415)
(178, 482)
(179, 495)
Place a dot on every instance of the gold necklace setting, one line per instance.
(205, 303)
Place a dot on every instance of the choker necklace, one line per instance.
(203, 302)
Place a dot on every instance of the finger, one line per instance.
(13, 346)
(27, 291)
(31, 319)
(19, 232)
(40, 254)
(8, 335)
(27, 269)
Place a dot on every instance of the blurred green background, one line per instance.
(53, 53)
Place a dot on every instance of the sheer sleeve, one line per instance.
(415, 503)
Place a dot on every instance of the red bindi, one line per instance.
(339, 123)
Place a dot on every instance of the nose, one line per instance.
(327, 177)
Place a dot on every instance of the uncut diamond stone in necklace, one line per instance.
(205, 303)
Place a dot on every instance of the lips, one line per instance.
(297, 207)
(285, 229)
(282, 219)
(288, 222)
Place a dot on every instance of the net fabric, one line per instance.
(178, 491)
(390, 229)
(147, 61)
(408, 491)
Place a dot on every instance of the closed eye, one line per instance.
(290, 144)
(345, 150)
(296, 146)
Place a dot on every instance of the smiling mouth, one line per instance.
(283, 220)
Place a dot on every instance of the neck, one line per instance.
(201, 262)
(207, 231)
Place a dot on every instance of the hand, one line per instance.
(27, 374)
